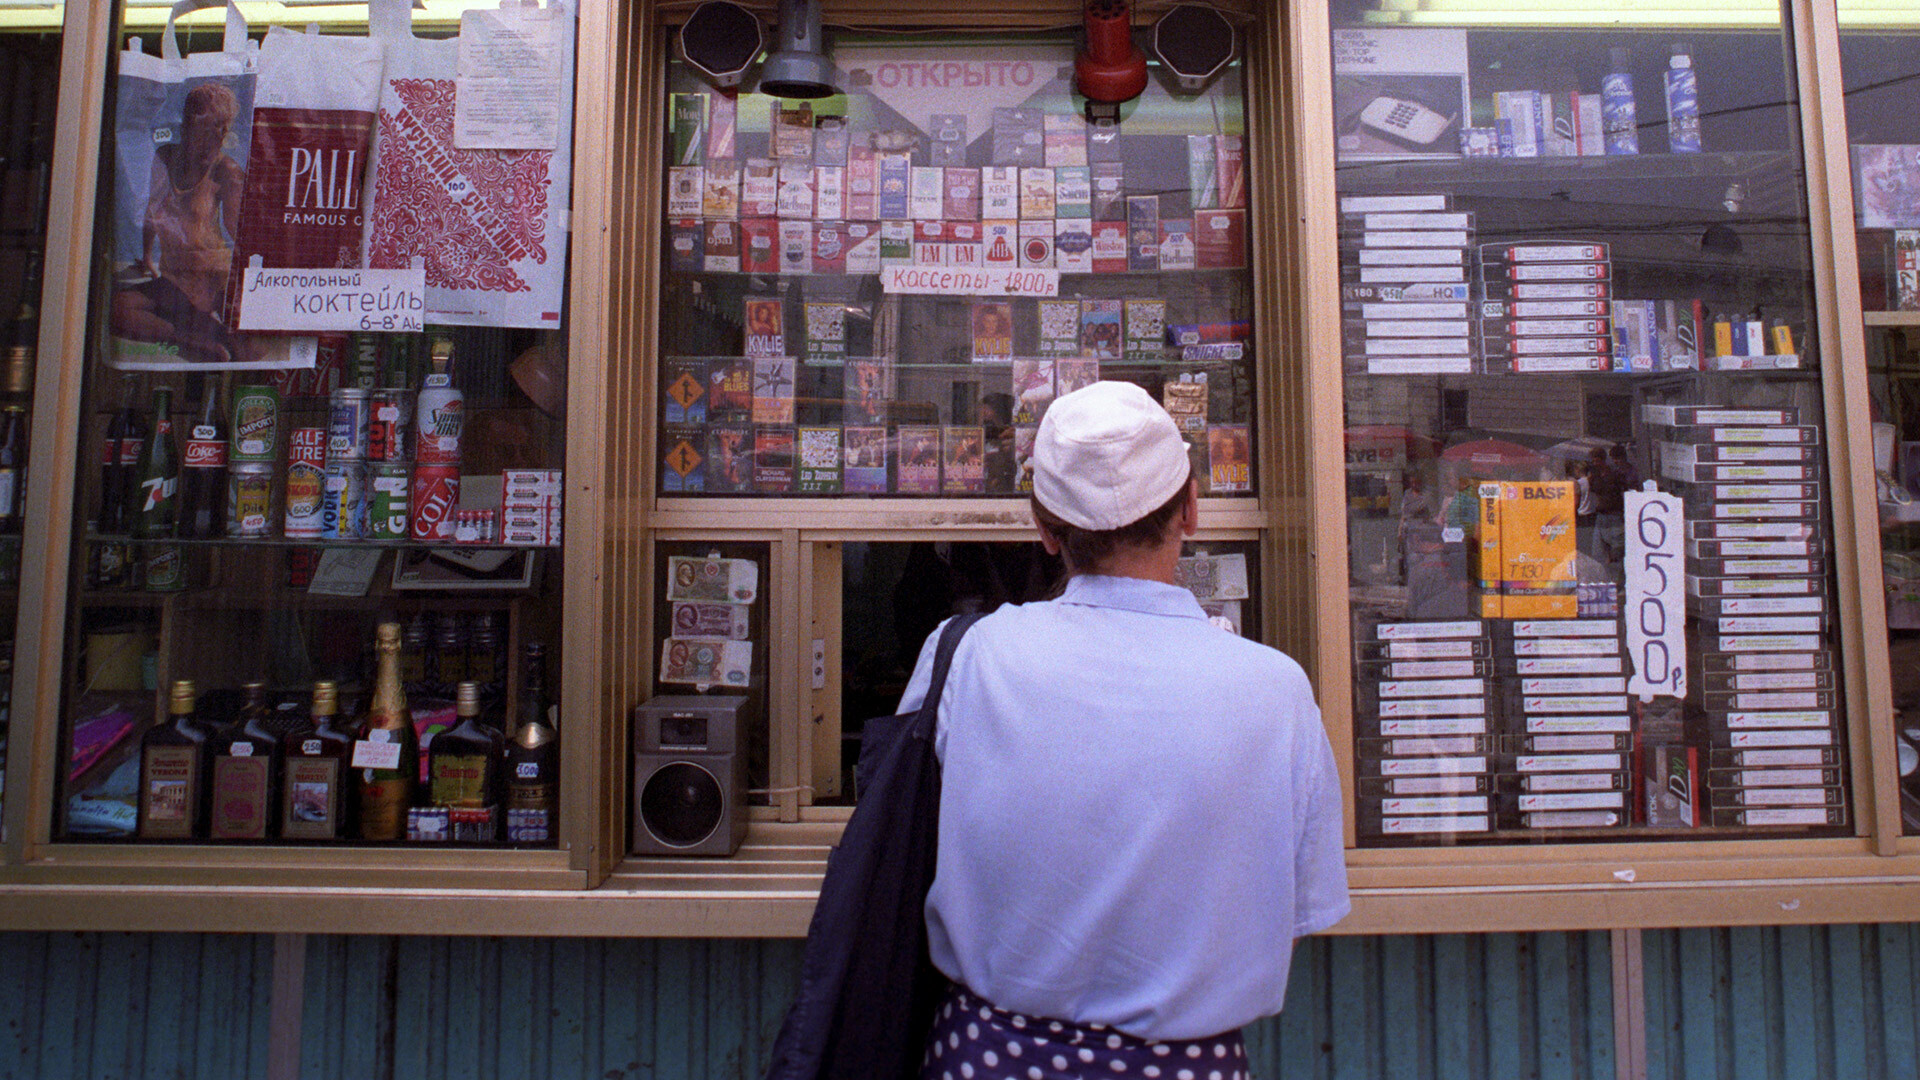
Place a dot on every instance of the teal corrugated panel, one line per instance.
(1848, 1009)
(1405, 987)
(1459, 1052)
(1503, 977)
(624, 965)
(1356, 988)
(1899, 1005)
(62, 1020)
(1557, 993)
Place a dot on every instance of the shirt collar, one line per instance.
(1132, 594)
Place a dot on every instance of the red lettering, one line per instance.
(953, 73)
(888, 75)
(1023, 74)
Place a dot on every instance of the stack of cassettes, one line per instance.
(1405, 297)
(1756, 582)
(1421, 711)
(1543, 308)
(1563, 761)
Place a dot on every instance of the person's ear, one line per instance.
(1048, 541)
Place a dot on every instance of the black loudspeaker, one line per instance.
(1193, 42)
(722, 40)
(689, 775)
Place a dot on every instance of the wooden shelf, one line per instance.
(1890, 318)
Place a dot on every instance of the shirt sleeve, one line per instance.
(916, 692)
(1320, 857)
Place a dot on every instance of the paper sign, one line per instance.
(376, 755)
(507, 92)
(345, 572)
(386, 301)
(957, 281)
(1655, 603)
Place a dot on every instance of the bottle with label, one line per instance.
(465, 770)
(314, 804)
(416, 655)
(120, 457)
(486, 655)
(246, 772)
(13, 467)
(173, 772)
(203, 472)
(387, 755)
(533, 759)
(156, 503)
(1618, 113)
(23, 338)
(1683, 102)
(440, 412)
(449, 653)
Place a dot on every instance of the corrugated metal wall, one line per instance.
(1840, 1002)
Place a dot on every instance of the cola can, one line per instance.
(349, 418)
(343, 508)
(390, 429)
(306, 480)
(436, 495)
(391, 482)
(249, 499)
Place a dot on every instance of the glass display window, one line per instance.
(1882, 91)
(316, 590)
(1590, 543)
(878, 293)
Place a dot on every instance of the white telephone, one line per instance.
(1408, 120)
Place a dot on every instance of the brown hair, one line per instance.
(1086, 549)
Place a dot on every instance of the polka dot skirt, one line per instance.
(973, 1040)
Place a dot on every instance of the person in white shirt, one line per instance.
(1140, 811)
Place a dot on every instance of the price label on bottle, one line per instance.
(376, 755)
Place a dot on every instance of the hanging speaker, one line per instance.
(1194, 42)
(689, 775)
(722, 40)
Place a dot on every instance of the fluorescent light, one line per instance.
(1597, 14)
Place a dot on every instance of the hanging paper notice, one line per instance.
(388, 301)
(507, 92)
(957, 281)
(1655, 602)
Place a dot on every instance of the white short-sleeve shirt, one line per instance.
(1140, 813)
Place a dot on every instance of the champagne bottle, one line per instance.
(173, 772)
(386, 789)
(246, 772)
(318, 776)
(465, 768)
(533, 759)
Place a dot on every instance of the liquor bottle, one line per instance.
(440, 412)
(486, 655)
(449, 653)
(126, 437)
(246, 772)
(203, 473)
(13, 466)
(157, 476)
(416, 655)
(23, 338)
(315, 803)
(387, 737)
(533, 760)
(465, 767)
(173, 772)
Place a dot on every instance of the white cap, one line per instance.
(1107, 455)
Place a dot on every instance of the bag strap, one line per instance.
(942, 660)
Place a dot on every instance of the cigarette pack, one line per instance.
(1036, 243)
(721, 197)
(1037, 191)
(964, 246)
(793, 132)
(720, 245)
(1176, 244)
(948, 139)
(1203, 172)
(830, 141)
(796, 247)
(1065, 136)
(687, 245)
(760, 188)
(1073, 192)
(1108, 191)
(929, 243)
(896, 177)
(796, 191)
(686, 191)
(863, 184)
(829, 192)
(1230, 169)
(926, 194)
(829, 247)
(1103, 143)
(999, 193)
(1073, 245)
(863, 247)
(689, 144)
(896, 243)
(1143, 232)
(962, 196)
(760, 245)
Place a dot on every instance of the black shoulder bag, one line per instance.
(867, 987)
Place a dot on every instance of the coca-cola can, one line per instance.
(390, 431)
(306, 480)
(349, 417)
(249, 499)
(436, 495)
(343, 511)
(391, 485)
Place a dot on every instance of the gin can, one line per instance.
(306, 480)
(349, 419)
(391, 483)
(343, 510)
(249, 499)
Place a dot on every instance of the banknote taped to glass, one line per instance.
(700, 619)
(727, 581)
(706, 661)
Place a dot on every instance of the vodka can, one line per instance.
(343, 509)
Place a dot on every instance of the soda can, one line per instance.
(166, 571)
(306, 480)
(256, 424)
(343, 510)
(391, 486)
(348, 418)
(249, 499)
(390, 430)
(436, 495)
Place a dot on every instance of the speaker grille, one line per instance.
(681, 804)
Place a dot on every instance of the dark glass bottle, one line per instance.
(533, 759)
(203, 472)
(464, 763)
(13, 467)
(156, 496)
(487, 656)
(246, 772)
(120, 457)
(317, 798)
(386, 793)
(22, 337)
(449, 653)
(416, 655)
(173, 772)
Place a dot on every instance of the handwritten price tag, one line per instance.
(376, 755)
(337, 300)
(958, 281)
(1655, 601)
